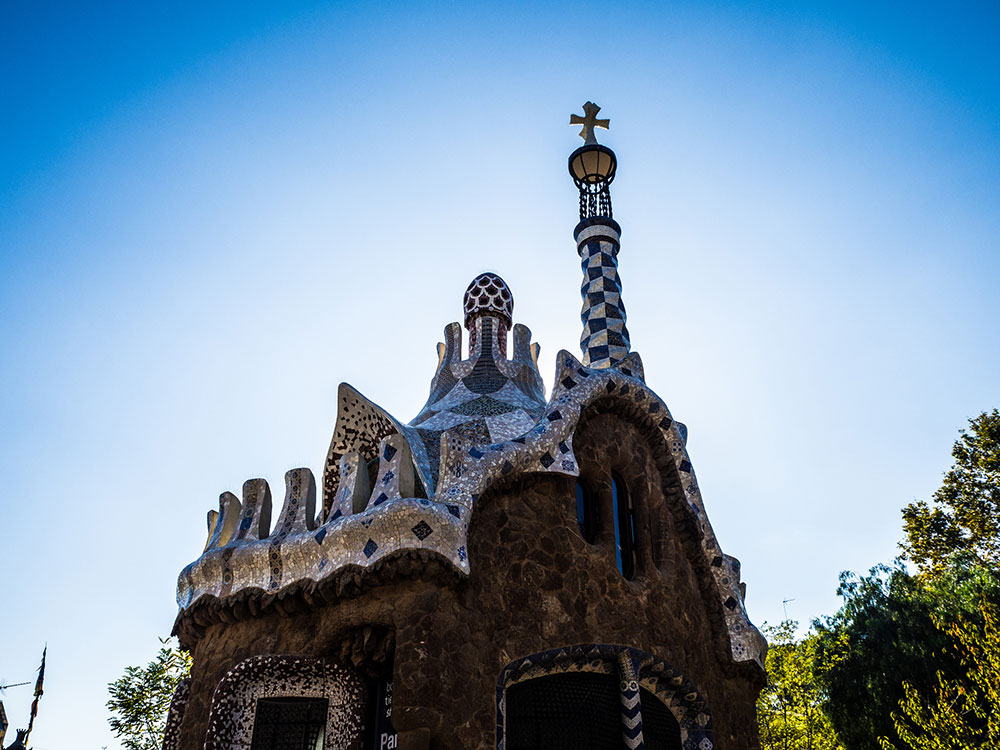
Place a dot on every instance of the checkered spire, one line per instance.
(604, 340)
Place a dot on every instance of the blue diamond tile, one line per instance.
(370, 548)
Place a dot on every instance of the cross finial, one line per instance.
(589, 122)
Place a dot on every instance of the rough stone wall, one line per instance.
(535, 585)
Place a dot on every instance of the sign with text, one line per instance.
(385, 735)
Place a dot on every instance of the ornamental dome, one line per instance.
(488, 294)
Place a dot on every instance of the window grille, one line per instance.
(574, 711)
(289, 724)
(660, 729)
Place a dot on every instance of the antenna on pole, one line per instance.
(784, 605)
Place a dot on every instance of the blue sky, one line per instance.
(211, 216)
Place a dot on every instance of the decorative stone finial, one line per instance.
(488, 294)
(589, 122)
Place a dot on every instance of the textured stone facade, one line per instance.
(536, 585)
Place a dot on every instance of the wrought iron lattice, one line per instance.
(573, 711)
(289, 724)
(595, 202)
(660, 729)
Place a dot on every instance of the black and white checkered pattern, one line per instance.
(605, 339)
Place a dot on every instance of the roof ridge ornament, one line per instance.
(589, 122)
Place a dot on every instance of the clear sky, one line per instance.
(213, 213)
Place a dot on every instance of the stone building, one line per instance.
(504, 570)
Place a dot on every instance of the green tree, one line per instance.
(962, 712)
(964, 513)
(883, 636)
(140, 698)
(789, 712)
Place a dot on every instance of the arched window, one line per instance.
(598, 697)
(624, 528)
(574, 711)
(586, 516)
(289, 703)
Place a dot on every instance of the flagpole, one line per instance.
(38, 694)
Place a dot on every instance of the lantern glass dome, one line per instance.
(592, 165)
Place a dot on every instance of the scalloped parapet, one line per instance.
(363, 525)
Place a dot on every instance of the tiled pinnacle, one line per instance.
(604, 341)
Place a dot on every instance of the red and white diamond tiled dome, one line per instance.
(488, 294)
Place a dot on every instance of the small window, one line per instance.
(624, 528)
(586, 518)
(289, 724)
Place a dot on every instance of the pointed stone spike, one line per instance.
(452, 344)
(395, 471)
(213, 519)
(298, 513)
(522, 343)
(229, 516)
(354, 488)
(255, 522)
(633, 363)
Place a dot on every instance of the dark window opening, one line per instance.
(660, 729)
(573, 711)
(586, 516)
(289, 724)
(624, 528)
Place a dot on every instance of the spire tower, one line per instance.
(605, 339)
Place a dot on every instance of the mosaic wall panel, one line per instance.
(231, 717)
(635, 669)
(486, 421)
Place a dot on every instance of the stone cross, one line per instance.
(589, 122)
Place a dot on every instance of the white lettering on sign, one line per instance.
(387, 741)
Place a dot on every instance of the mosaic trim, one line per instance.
(234, 704)
(634, 669)
(631, 708)
(175, 715)
(486, 421)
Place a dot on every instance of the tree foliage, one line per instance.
(789, 709)
(963, 711)
(964, 513)
(140, 698)
(883, 636)
(912, 662)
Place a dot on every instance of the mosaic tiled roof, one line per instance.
(393, 488)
